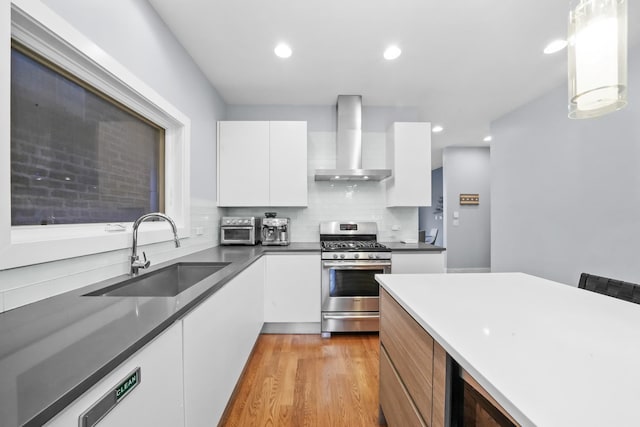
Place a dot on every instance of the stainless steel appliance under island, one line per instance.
(505, 349)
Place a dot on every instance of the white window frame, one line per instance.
(41, 30)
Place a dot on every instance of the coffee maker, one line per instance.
(275, 231)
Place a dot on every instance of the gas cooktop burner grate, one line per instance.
(351, 245)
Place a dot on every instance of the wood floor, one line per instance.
(304, 380)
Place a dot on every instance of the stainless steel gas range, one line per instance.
(351, 256)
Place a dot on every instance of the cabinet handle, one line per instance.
(355, 265)
(349, 316)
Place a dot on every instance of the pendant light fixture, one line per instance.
(597, 57)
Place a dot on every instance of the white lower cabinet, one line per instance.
(292, 288)
(218, 338)
(417, 262)
(157, 399)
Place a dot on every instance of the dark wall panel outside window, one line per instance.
(77, 157)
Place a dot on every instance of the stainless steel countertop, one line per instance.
(54, 350)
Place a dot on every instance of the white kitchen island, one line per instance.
(548, 353)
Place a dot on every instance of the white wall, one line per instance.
(566, 193)
(133, 34)
(363, 201)
(466, 170)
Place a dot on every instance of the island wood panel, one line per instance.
(398, 407)
(440, 374)
(410, 348)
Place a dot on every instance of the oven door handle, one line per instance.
(356, 265)
(350, 316)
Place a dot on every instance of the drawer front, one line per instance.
(411, 349)
(396, 404)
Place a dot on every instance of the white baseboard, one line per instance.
(468, 270)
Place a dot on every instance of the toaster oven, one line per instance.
(235, 230)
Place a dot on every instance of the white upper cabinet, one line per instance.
(409, 157)
(243, 163)
(262, 163)
(288, 164)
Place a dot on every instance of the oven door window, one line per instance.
(237, 234)
(353, 283)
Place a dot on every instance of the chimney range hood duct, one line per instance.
(349, 146)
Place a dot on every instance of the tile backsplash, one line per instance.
(334, 200)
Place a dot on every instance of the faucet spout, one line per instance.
(136, 263)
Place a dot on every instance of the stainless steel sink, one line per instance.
(165, 282)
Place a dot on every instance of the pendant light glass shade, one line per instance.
(597, 57)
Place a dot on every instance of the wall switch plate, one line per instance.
(395, 227)
(456, 222)
(199, 231)
(456, 214)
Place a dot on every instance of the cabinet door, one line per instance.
(157, 400)
(288, 164)
(243, 163)
(409, 156)
(218, 338)
(292, 288)
(417, 262)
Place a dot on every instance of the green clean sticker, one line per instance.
(127, 385)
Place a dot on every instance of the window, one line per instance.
(35, 27)
(77, 156)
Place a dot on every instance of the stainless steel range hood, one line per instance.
(349, 146)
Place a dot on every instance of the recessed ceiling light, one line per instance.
(392, 53)
(437, 129)
(282, 50)
(337, 177)
(365, 177)
(488, 138)
(555, 46)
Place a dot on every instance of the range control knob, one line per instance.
(356, 256)
(342, 256)
(335, 256)
(371, 256)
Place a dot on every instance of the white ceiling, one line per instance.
(463, 64)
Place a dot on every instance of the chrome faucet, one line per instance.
(136, 262)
